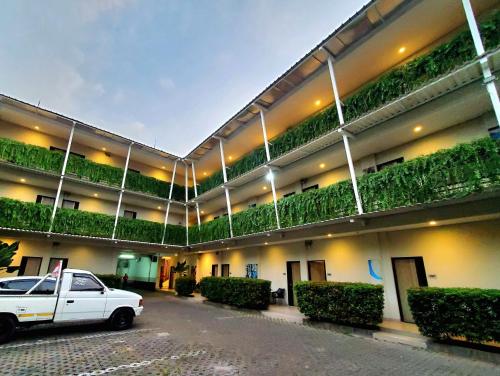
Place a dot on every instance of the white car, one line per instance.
(77, 296)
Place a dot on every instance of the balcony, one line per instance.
(37, 158)
(455, 173)
(33, 217)
(443, 70)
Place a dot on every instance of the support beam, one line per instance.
(63, 172)
(168, 203)
(122, 188)
(345, 135)
(270, 174)
(489, 79)
(196, 194)
(186, 190)
(226, 188)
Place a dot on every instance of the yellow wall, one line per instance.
(461, 255)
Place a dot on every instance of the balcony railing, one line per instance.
(36, 157)
(452, 173)
(22, 215)
(390, 86)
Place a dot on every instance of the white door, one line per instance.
(85, 300)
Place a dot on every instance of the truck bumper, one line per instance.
(138, 311)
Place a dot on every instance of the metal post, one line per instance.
(489, 79)
(196, 194)
(352, 172)
(168, 202)
(187, 199)
(122, 188)
(270, 174)
(226, 189)
(63, 172)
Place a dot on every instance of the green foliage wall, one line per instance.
(388, 87)
(451, 173)
(24, 215)
(79, 222)
(441, 313)
(240, 292)
(342, 302)
(37, 157)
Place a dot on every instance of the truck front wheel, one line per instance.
(121, 319)
(7, 328)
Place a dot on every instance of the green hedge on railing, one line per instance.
(451, 173)
(40, 158)
(341, 302)
(32, 216)
(442, 313)
(24, 215)
(388, 87)
(236, 291)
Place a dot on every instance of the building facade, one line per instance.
(374, 158)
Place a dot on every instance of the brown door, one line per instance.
(30, 266)
(225, 270)
(317, 270)
(215, 270)
(408, 272)
(292, 275)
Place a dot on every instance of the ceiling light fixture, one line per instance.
(96, 194)
(402, 49)
(417, 129)
(432, 223)
(321, 165)
(37, 127)
(317, 102)
(205, 173)
(103, 149)
(330, 235)
(23, 180)
(264, 188)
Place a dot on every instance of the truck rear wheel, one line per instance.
(122, 319)
(7, 328)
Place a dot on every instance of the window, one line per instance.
(70, 204)
(215, 270)
(225, 270)
(370, 170)
(381, 166)
(53, 262)
(288, 194)
(316, 270)
(30, 266)
(46, 287)
(21, 285)
(311, 187)
(85, 282)
(216, 217)
(132, 170)
(53, 148)
(45, 200)
(130, 214)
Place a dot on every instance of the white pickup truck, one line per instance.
(75, 296)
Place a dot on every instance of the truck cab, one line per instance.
(76, 296)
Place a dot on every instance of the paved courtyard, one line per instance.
(176, 337)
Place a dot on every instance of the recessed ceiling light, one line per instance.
(96, 194)
(163, 167)
(266, 243)
(264, 188)
(159, 207)
(432, 223)
(23, 180)
(103, 149)
(321, 165)
(205, 173)
(230, 157)
(417, 129)
(402, 49)
(37, 127)
(317, 102)
(330, 235)
(202, 212)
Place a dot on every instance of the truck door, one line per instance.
(84, 300)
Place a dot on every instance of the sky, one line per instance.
(164, 73)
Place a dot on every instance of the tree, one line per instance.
(181, 268)
(7, 252)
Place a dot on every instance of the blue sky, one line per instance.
(166, 73)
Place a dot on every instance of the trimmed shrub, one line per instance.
(185, 285)
(442, 313)
(110, 280)
(236, 291)
(341, 302)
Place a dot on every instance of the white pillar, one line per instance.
(63, 172)
(186, 170)
(196, 194)
(168, 203)
(122, 188)
(226, 189)
(489, 79)
(270, 173)
(352, 172)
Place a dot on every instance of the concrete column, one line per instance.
(122, 188)
(226, 188)
(168, 203)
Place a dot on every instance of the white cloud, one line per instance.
(166, 83)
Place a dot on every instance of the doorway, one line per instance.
(292, 276)
(30, 266)
(215, 270)
(408, 272)
(225, 270)
(316, 270)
